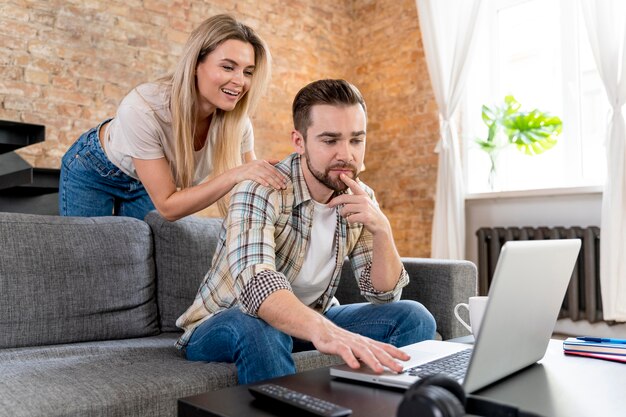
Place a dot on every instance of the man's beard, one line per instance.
(324, 177)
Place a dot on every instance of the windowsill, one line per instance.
(545, 192)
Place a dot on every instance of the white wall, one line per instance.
(555, 207)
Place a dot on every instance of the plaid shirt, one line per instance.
(262, 247)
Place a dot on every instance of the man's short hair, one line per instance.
(332, 92)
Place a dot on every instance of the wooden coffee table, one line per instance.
(558, 386)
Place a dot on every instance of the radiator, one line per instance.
(583, 298)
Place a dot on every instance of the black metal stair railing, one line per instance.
(24, 188)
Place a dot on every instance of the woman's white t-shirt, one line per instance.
(142, 129)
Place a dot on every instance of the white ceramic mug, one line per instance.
(476, 309)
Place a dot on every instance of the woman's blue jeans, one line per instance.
(261, 352)
(91, 185)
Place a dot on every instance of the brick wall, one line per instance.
(67, 64)
(403, 123)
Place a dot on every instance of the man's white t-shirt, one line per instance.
(319, 261)
(142, 129)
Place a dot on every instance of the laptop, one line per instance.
(525, 297)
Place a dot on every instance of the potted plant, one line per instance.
(532, 132)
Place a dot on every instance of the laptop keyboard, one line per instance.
(454, 366)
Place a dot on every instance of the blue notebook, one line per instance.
(576, 345)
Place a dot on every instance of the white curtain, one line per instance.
(448, 31)
(606, 25)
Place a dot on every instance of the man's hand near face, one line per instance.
(360, 208)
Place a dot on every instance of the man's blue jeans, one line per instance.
(91, 185)
(261, 352)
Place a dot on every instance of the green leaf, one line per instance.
(533, 132)
(511, 105)
(486, 146)
(489, 116)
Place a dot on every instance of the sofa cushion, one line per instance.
(66, 279)
(133, 377)
(183, 252)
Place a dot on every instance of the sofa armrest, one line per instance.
(440, 285)
(436, 283)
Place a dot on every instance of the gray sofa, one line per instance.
(88, 309)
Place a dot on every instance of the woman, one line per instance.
(169, 135)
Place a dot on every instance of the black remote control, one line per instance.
(299, 400)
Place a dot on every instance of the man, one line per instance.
(278, 262)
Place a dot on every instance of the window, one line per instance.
(537, 51)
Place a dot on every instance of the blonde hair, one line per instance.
(229, 126)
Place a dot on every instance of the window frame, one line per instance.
(571, 28)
